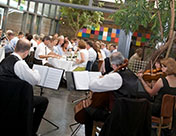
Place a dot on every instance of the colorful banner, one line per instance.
(140, 39)
(100, 33)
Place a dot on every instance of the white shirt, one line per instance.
(103, 54)
(23, 71)
(42, 49)
(14, 41)
(92, 54)
(109, 82)
(107, 52)
(34, 44)
(86, 57)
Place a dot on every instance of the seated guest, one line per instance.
(120, 83)
(61, 49)
(34, 42)
(53, 43)
(137, 55)
(9, 47)
(92, 55)
(15, 67)
(106, 51)
(83, 56)
(113, 48)
(43, 52)
(15, 39)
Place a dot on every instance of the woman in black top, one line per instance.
(166, 85)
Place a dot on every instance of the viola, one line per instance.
(100, 100)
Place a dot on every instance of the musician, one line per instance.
(122, 82)
(15, 67)
(43, 52)
(164, 85)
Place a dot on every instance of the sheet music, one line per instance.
(81, 79)
(93, 75)
(43, 70)
(53, 78)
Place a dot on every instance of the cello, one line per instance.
(101, 100)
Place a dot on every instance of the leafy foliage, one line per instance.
(137, 13)
(78, 18)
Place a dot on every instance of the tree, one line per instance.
(156, 15)
(78, 18)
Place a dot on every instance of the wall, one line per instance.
(14, 21)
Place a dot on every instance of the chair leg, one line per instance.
(94, 130)
(159, 131)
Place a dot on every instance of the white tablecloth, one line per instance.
(61, 63)
(2, 53)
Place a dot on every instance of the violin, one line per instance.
(153, 75)
(101, 100)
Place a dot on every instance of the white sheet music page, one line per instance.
(81, 79)
(53, 78)
(93, 75)
(43, 70)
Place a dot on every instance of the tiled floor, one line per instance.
(60, 111)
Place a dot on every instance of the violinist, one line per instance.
(152, 75)
(164, 85)
(121, 82)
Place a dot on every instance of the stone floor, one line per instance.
(60, 112)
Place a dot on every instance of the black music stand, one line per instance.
(77, 123)
(57, 127)
(76, 129)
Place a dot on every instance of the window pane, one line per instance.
(29, 22)
(57, 13)
(53, 27)
(46, 10)
(32, 6)
(36, 27)
(52, 12)
(14, 3)
(24, 4)
(40, 7)
(3, 2)
(45, 27)
(1, 16)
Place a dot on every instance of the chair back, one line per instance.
(167, 106)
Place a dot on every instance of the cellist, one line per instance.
(121, 82)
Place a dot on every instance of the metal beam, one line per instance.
(75, 6)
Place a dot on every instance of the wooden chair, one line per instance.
(96, 125)
(165, 119)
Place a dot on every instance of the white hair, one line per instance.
(117, 58)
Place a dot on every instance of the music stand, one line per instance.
(57, 127)
(50, 78)
(76, 129)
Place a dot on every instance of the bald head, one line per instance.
(22, 45)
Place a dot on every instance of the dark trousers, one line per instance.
(94, 114)
(40, 105)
